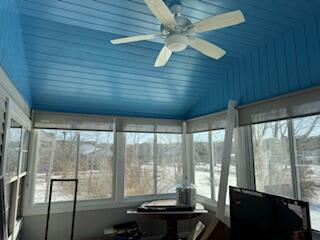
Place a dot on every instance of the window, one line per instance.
(272, 158)
(287, 160)
(11, 200)
(56, 152)
(14, 142)
(169, 162)
(217, 141)
(20, 198)
(206, 180)
(307, 146)
(202, 165)
(95, 165)
(153, 163)
(87, 155)
(139, 178)
(15, 174)
(24, 150)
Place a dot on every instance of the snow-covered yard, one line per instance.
(202, 181)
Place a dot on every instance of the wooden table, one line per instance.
(172, 218)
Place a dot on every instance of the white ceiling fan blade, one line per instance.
(163, 57)
(162, 12)
(135, 38)
(219, 21)
(206, 48)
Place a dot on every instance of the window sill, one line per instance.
(149, 197)
(91, 205)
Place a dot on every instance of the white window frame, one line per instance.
(14, 113)
(33, 208)
(154, 195)
(116, 201)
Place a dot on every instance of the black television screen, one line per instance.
(262, 216)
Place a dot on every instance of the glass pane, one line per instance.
(169, 159)
(11, 197)
(25, 145)
(24, 162)
(307, 139)
(14, 144)
(201, 160)
(272, 158)
(139, 178)
(25, 141)
(63, 191)
(57, 152)
(95, 165)
(20, 198)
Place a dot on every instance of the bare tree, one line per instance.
(272, 158)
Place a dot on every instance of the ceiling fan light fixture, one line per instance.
(177, 30)
(177, 42)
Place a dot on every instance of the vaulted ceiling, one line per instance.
(73, 67)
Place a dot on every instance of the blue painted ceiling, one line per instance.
(12, 58)
(74, 68)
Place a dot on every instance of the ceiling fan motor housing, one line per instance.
(176, 42)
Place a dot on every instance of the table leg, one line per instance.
(172, 229)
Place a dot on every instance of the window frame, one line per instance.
(241, 157)
(118, 200)
(14, 114)
(63, 204)
(155, 193)
(244, 164)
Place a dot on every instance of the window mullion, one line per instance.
(250, 157)
(120, 166)
(185, 156)
(292, 150)
(191, 160)
(20, 152)
(114, 159)
(211, 159)
(78, 154)
(50, 163)
(155, 163)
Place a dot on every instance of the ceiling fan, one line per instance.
(177, 31)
